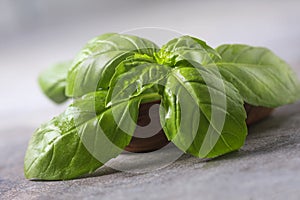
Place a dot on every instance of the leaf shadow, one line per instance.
(102, 171)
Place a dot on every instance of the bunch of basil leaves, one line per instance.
(202, 92)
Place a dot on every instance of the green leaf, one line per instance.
(261, 77)
(81, 139)
(135, 76)
(53, 81)
(186, 49)
(202, 114)
(96, 63)
(94, 73)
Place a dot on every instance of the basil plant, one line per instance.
(202, 93)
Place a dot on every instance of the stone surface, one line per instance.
(267, 167)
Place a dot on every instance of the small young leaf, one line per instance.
(186, 49)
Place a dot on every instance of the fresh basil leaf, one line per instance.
(96, 63)
(262, 78)
(130, 62)
(138, 74)
(81, 139)
(94, 73)
(201, 113)
(53, 81)
(186, 49)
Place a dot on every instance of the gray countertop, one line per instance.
(267, 167)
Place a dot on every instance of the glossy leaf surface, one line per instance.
(262, 78)
(81, 139)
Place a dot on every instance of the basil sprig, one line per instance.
(202, 93)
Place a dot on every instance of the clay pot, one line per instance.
(256, 113)
(159, 140)
(152, 143)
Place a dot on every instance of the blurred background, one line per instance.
(35, 34)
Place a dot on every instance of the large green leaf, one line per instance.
(81, 139)
(186, 49)
(94, 66)
(202, 114)
(53, 81)
(261, 77)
